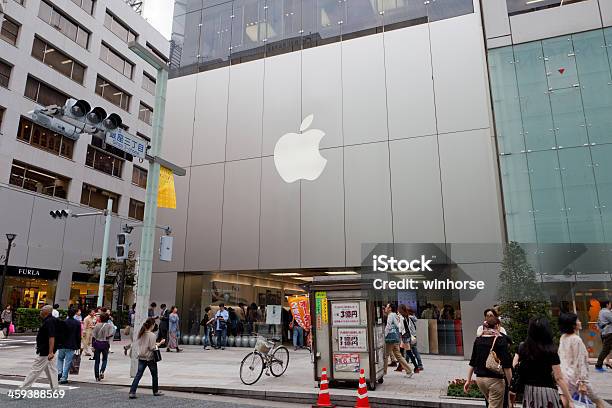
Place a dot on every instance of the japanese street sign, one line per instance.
(131, 144)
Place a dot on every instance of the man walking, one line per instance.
(164, 322)
(69, 343)
(604, 322)
(220, 319)
(45, 350)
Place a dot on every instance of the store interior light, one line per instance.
(68, 61)
(305, 278)
(341, 273)
(286, 274)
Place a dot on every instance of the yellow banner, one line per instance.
(166, 195)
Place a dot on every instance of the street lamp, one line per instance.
(10, 238)
(145, 263)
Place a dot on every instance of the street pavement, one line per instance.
(13, 342)
(93, 396)
(217, 372)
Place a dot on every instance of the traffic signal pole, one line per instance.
(145, 265)
(107, 224)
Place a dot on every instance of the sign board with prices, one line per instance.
(130, 144)
(347, 362)
(352, 340)
(345, 314)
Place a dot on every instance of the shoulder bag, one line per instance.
(516, 384)
(157, 357)
(493, 363)
(393, 336)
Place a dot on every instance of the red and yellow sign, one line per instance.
(300, 309)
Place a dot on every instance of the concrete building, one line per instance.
(51, 50)
(420, 103)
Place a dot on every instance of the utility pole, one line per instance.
(120, 301)
(109, 208)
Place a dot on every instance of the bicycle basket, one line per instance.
(262, 346)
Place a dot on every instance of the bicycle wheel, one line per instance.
(251, 368)
(280, 361)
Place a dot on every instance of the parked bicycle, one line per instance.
(265, 356)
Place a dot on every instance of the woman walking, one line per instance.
(88, 325)
(407, 334)
(575, 360)
(6, 319)
(393, 332)
(491, 382)
(539, 368)
(146, 347)
(173, 329)
(101, 335)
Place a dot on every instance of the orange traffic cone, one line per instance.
(324, 400)
(362, 392)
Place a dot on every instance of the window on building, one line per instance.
(113, 93)
(136, 209)
(118, 62)
(61, 22)
(148, 83)
(157, 52)
(45, 139)
(38, 180)
(87, 5)
(119, 28)
(5, 74)
(103, 161)
(42, 93)
(139, 177)
(145, 113)
(9, 31)
(523, 6)
(56, 59)
(22, 2)
(2, 116)
(96, 197)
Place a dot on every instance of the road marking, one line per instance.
(16, 384)
(7, 347)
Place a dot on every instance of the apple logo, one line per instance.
(297, 156)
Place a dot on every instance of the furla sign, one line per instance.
(297, 155)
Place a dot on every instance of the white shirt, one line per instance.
(55, 313)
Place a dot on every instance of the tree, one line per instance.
(114, 269)
(520, 294)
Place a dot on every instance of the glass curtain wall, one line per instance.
(209, 36)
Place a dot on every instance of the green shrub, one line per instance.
(29, 319)
(455, 389)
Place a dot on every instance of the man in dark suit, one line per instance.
(164, 322)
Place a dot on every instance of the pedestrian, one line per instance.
(538, 366)
(163, 323)
(55, 312)
(393, 333)
(77, 315)
(207, 328)
(604, 322)
(173, 329)
(45, 351)
(6, 319)
(88, 325)
(251, 318)
(101, 335)
(69, 343)
(151, 311)
(146, 346)
(406, 339)
(220, 322)
(413, 337)
(575, 359)
(492, 383)
(298, 334)
(233, 322)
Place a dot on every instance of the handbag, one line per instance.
(393, 336)
(11, 329)
(516, 384)
(75, 366)
(582, 401)
(493, 363)
(157, 357)
(100, 345)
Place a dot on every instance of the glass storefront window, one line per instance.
(28, 293)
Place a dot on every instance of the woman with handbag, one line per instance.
(539, 368)
(491, 362)
(393, 332)
(148, 356)
(102, 333)
(406, 345)
(7, 320)
(575, 361)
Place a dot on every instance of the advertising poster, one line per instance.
(300, 309)
(346, 362)
(352, 340)
(273, 314)
(345, 314)
(324, 311)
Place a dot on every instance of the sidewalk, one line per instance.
(217, 372)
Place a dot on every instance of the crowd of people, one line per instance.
(540, 373)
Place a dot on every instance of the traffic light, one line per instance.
(60, 213)
(96, 118)
(122, 248)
